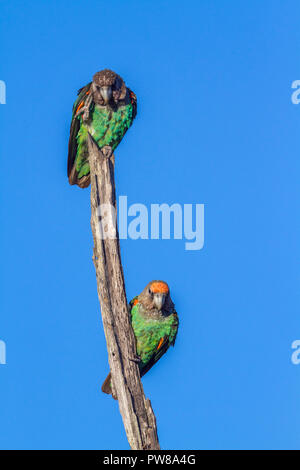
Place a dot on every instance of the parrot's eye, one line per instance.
(150, 291)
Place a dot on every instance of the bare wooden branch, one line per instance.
(137, 414)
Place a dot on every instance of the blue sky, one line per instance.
(215, 126)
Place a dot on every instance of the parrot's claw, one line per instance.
(107, 151)
(135, 359)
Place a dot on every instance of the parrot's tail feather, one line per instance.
(106, 387)
(82, 182)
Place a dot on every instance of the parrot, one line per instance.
(155, 324)
(105, 108)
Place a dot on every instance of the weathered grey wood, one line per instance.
(137, 414)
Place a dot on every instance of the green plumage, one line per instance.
(105, 109)
(150, 332)
(107, 127)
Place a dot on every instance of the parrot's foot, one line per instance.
(107, 151)
(135, 359)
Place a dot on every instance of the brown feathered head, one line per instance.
(108, 88)
(156, 297)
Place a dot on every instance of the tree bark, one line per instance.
(136, 411)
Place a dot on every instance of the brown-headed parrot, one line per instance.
(105, 108)
(155, 324)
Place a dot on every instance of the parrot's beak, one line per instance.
(159, 300)
(106, 93)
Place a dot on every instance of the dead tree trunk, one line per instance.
(137, 414)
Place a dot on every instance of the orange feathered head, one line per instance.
(156, 297)
(159, 287)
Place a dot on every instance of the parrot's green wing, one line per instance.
(158, 354)
(164, 343)
(73, 144)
